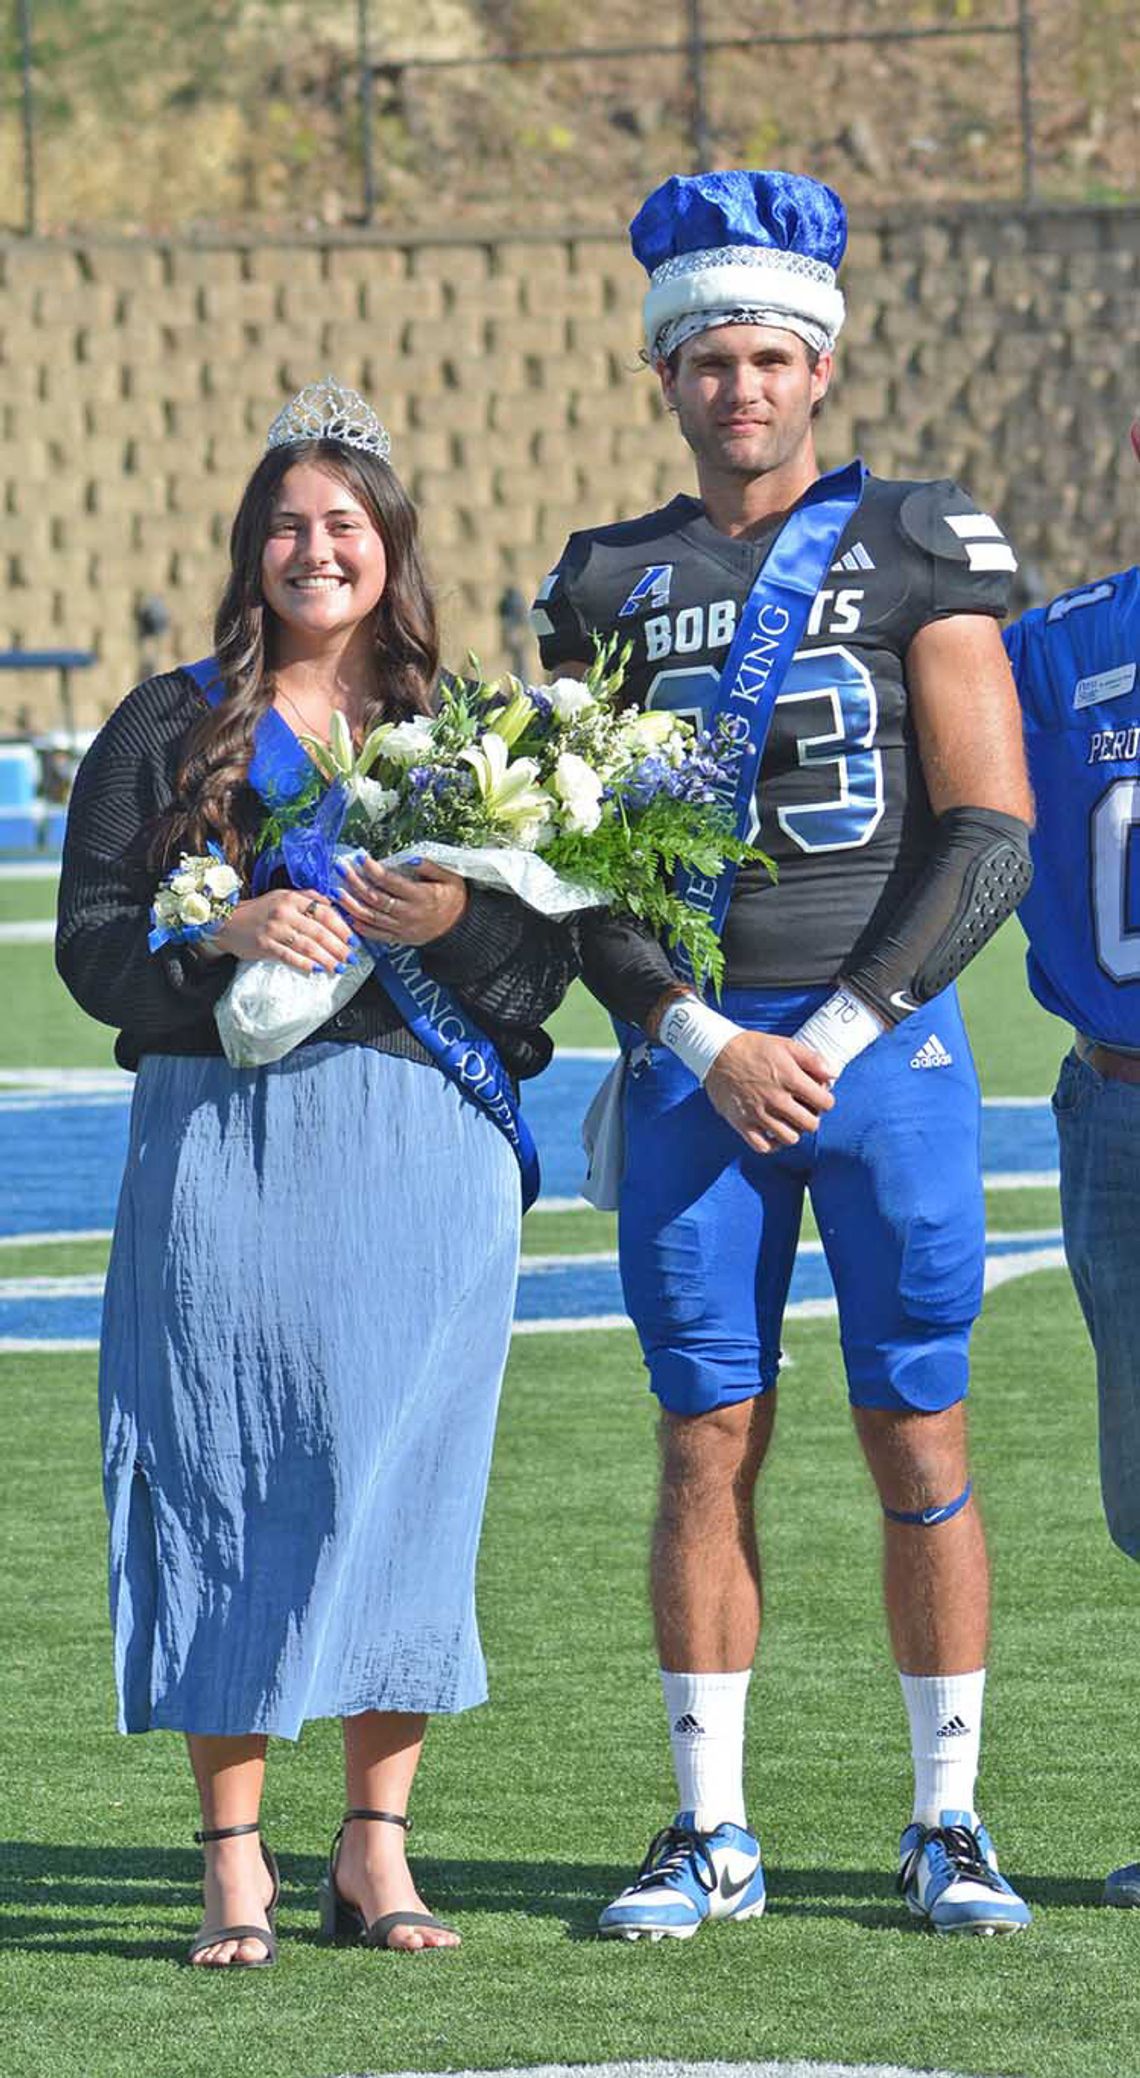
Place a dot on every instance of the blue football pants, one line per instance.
(708, 1229)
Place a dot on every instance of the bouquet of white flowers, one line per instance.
(194, 899)
(554, 793)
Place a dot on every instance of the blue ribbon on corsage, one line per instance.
(771, 627)
(182, 933)
(279, 770)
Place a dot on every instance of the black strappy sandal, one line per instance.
(210, 1936)
(345, 1925)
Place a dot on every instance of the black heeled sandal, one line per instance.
(344, 1924)
(210, 1936)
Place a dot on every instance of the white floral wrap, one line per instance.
(269, 1008)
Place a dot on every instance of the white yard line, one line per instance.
(1022, 1180)
(39, 933)
(28, 1345)
(992, 1180)
(1002, 1269)
(85, 1286)
(44, 1240)
(664, 2068)
(69, 1082)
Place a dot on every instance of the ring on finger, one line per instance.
(312, 907)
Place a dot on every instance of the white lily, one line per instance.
(377, 801)
(580, 791)
(407, 742)
(341, 744)
(513, 720)
(508, 790)
(651, 731)
(372, 746)
(569, 698)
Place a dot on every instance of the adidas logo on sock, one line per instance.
(953, 1729)
(689, 1724)
(931, 1054)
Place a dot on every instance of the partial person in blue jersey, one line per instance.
(861, 614)
(1077, 667)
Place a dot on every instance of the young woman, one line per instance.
(312, 1279)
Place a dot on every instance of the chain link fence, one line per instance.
(438, 117)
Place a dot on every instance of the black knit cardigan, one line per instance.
(508, 966)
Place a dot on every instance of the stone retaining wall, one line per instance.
(137, 380)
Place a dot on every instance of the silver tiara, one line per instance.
(328, 411)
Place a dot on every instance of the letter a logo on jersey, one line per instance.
(652, 589)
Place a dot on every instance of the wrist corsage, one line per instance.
(194, 899)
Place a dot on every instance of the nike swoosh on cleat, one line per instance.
(728, 1890)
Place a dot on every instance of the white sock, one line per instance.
(706, 1732)
(945, 1712)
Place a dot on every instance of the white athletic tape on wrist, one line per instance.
(840, 1029)
(695, 1033)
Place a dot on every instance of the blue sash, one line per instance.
(770, 630)
(279, 769)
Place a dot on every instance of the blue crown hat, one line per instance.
(740, 248)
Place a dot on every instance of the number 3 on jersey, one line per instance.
(830, 685)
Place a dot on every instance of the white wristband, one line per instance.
(840, 1029)
(695, 1033)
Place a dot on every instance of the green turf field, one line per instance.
(530, 1812)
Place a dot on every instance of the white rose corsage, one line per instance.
(194, 899)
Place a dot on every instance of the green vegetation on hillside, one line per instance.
(175, 115)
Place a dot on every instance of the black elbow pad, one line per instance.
(978, 871)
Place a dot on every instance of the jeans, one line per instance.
(1098, 1124)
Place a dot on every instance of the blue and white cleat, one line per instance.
(1122, 1886)
(950, 1879)
(686, 1878)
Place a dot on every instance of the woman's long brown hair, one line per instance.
(213, 798)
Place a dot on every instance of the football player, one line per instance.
(1077, 667)
(894, 804)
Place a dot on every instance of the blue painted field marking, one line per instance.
(61, 1156)
(555, 1289)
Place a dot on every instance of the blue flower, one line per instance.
(646, 780)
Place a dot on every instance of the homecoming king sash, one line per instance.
(771, 626)
(279, 769)
(773, 621)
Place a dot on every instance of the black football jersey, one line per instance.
(841, 807)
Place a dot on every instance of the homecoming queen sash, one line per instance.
(769, 633)
(279, 769)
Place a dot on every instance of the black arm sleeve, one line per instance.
(106, 887)
(976, 874)
(507, 962)
(623, 964)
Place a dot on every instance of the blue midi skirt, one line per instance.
(306, 1320)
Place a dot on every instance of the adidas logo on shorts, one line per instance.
(931, 1054)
